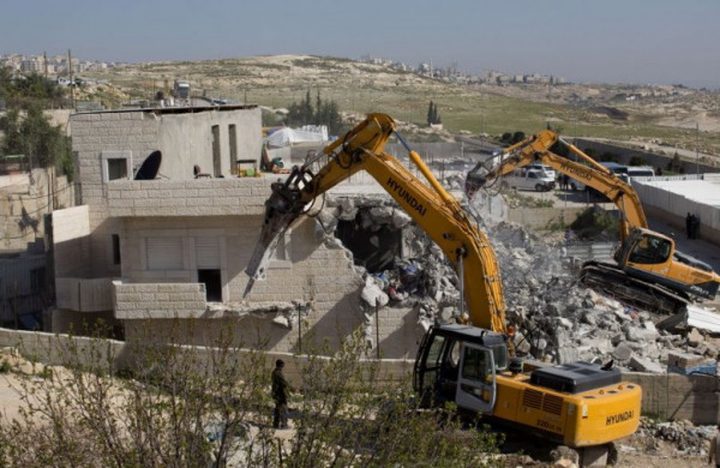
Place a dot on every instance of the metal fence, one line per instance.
(584, 251)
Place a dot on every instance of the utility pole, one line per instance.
(72, 80)
(45, 64)
(697, 148)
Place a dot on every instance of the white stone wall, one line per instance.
(71, 241)
(185, 140)
(228, 209)
(313, 272)
(84, 294)
(181, 300)
(23, 203)
(197, 197)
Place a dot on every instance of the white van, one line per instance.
(640, 171)
(542, 167)
(528, 179)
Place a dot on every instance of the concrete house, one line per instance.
(142, 253)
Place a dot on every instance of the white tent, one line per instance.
(288, 136)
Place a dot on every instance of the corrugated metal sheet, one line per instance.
(584, 251)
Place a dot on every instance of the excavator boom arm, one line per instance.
(592, 174)
(430, 206)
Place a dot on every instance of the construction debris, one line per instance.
(558, 319)
(693, 316)
(687, 364)
(685, 437)
(280, 313)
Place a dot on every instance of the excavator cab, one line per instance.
(652, 257)
(643, 247)
(458, 363)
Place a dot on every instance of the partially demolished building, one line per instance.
(142, 253)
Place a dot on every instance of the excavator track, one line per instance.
(612, 280)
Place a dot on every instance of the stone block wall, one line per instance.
(196, 197)
(312, 272)
(169, 300)
(84, 294)
(23, 205)
(542, 218)
(185, 140)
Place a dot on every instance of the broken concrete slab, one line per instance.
(694, 338)
(372, 294)
(645, 365)
(693, 316)
(686, 364)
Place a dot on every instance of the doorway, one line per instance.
(213, 285)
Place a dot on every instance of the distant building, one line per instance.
(670, 198)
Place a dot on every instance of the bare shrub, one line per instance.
(175, 405)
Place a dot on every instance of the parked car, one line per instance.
(529, 179)
(542, 167)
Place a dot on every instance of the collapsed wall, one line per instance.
(558, 319)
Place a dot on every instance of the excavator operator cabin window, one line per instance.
(435, 351)
(651, 250)
(501, 357)
(476, 364)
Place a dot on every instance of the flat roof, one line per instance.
(175, 110)
(705, 190)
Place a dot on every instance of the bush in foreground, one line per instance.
(190, 406)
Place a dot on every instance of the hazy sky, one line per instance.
(656, 41)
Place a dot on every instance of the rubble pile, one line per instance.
(420, 276)
(558, 320)
(685, 437)
(562, 321)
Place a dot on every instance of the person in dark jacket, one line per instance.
(280, 393)
(695, 227)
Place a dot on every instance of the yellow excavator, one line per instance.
(649, 271)
(577, 404)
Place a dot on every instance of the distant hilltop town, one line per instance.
(452, 74)
(52, 66)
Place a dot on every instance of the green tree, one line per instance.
(433, 117)
(30, 90)
(30, 133)
(324, 113)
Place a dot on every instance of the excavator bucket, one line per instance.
(281, 210)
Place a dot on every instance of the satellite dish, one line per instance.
(150, 167)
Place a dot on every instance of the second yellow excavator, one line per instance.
(577, 404)
(649, 271)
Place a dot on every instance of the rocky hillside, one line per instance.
(644, 113)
